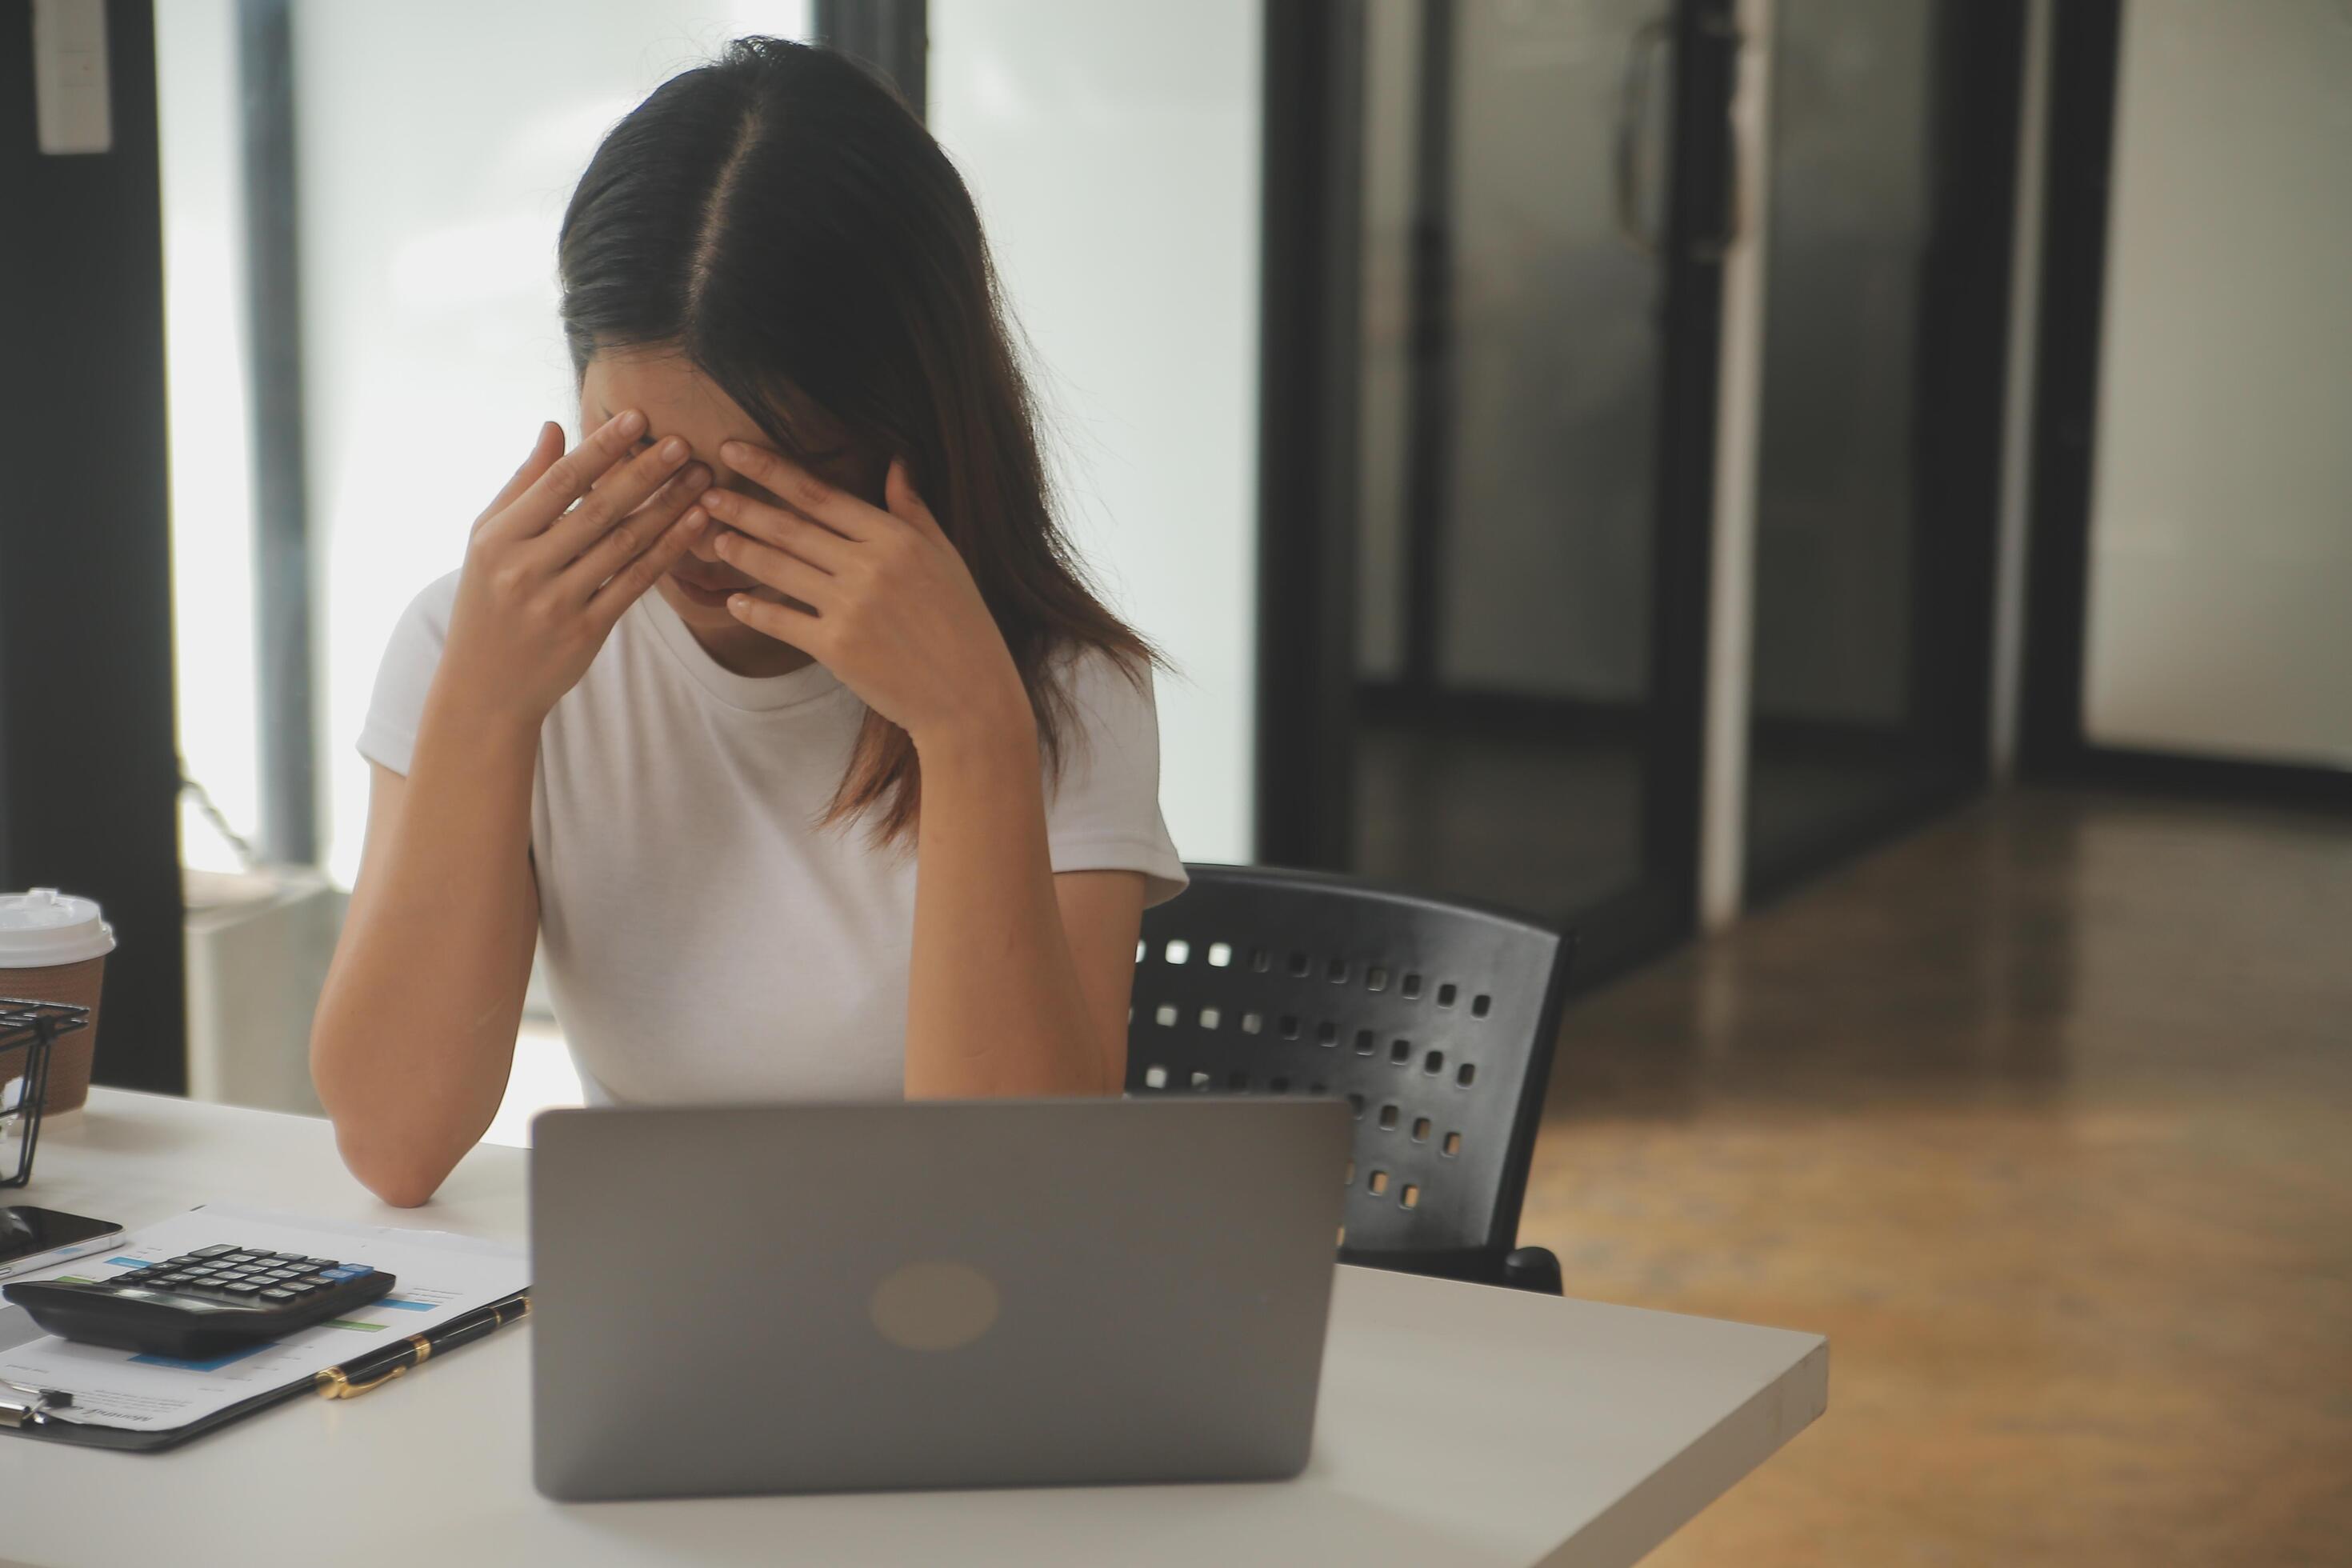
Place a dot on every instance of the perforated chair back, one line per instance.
(1433, 1019)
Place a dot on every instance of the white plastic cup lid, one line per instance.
(46, 927)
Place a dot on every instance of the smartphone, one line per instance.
(34, 1238)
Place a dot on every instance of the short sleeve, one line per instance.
(1103, 812)
(396, 708)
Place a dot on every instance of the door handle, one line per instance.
(1734, 150)
(1632, 142)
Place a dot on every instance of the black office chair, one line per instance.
(1434, 1019)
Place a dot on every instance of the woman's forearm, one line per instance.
(993, 1001)
(415, 1035)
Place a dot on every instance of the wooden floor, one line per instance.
(2045, 1118)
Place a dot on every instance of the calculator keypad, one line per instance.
(241, 1275)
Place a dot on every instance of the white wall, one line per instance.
(209, 420)
(2221, 599)
(433, 179)
(1114, 154)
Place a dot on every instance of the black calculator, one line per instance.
(202, 1303)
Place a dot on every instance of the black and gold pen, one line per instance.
(370, 1371)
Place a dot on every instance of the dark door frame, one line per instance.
(89, 773)
(1701, 214)
(891, 36)
(1311, 212)
(2053, 744)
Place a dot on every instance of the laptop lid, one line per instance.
(818, 1298)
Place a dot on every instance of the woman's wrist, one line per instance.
(1000, 727)
(499, 729)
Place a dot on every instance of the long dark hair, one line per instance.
(780, 214)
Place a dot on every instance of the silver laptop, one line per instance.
(976, 1293)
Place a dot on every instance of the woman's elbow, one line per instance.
(386, 1165)
(404, 1197)
(393, 1168)
(401, 1192)
(398, 1177)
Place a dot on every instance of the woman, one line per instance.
(866, 648)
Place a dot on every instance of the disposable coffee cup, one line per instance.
(53, 948)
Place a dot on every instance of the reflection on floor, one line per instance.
(1805, 800)
(2044, 1116)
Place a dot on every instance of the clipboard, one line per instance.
(135, 1404)
(132, 1440)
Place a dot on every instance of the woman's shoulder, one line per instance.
(1103, 810)
(427, 612)
(405, 675)
(413, 646)
(1107, 691)
(1108, 718)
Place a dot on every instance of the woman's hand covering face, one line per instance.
(573, 540)
(879, 595)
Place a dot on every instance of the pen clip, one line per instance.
(333, 1382)
(333, 1385)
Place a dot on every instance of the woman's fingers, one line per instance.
(843, 512)
(543, 451)
(616, 542)
(779, 569)
(617, 494)
(783, 622)
(812, 542)
(565, 481)
(633, 534)
(625, 586)
(906, 505)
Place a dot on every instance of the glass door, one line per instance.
(1540, 183)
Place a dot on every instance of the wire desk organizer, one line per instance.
(27, 1032)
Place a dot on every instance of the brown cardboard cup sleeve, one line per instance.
(53, 948)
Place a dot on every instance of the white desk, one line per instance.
(1458, 1425)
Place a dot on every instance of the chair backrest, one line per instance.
(1434, 1020)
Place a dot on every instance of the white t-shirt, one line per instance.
(703, 940)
